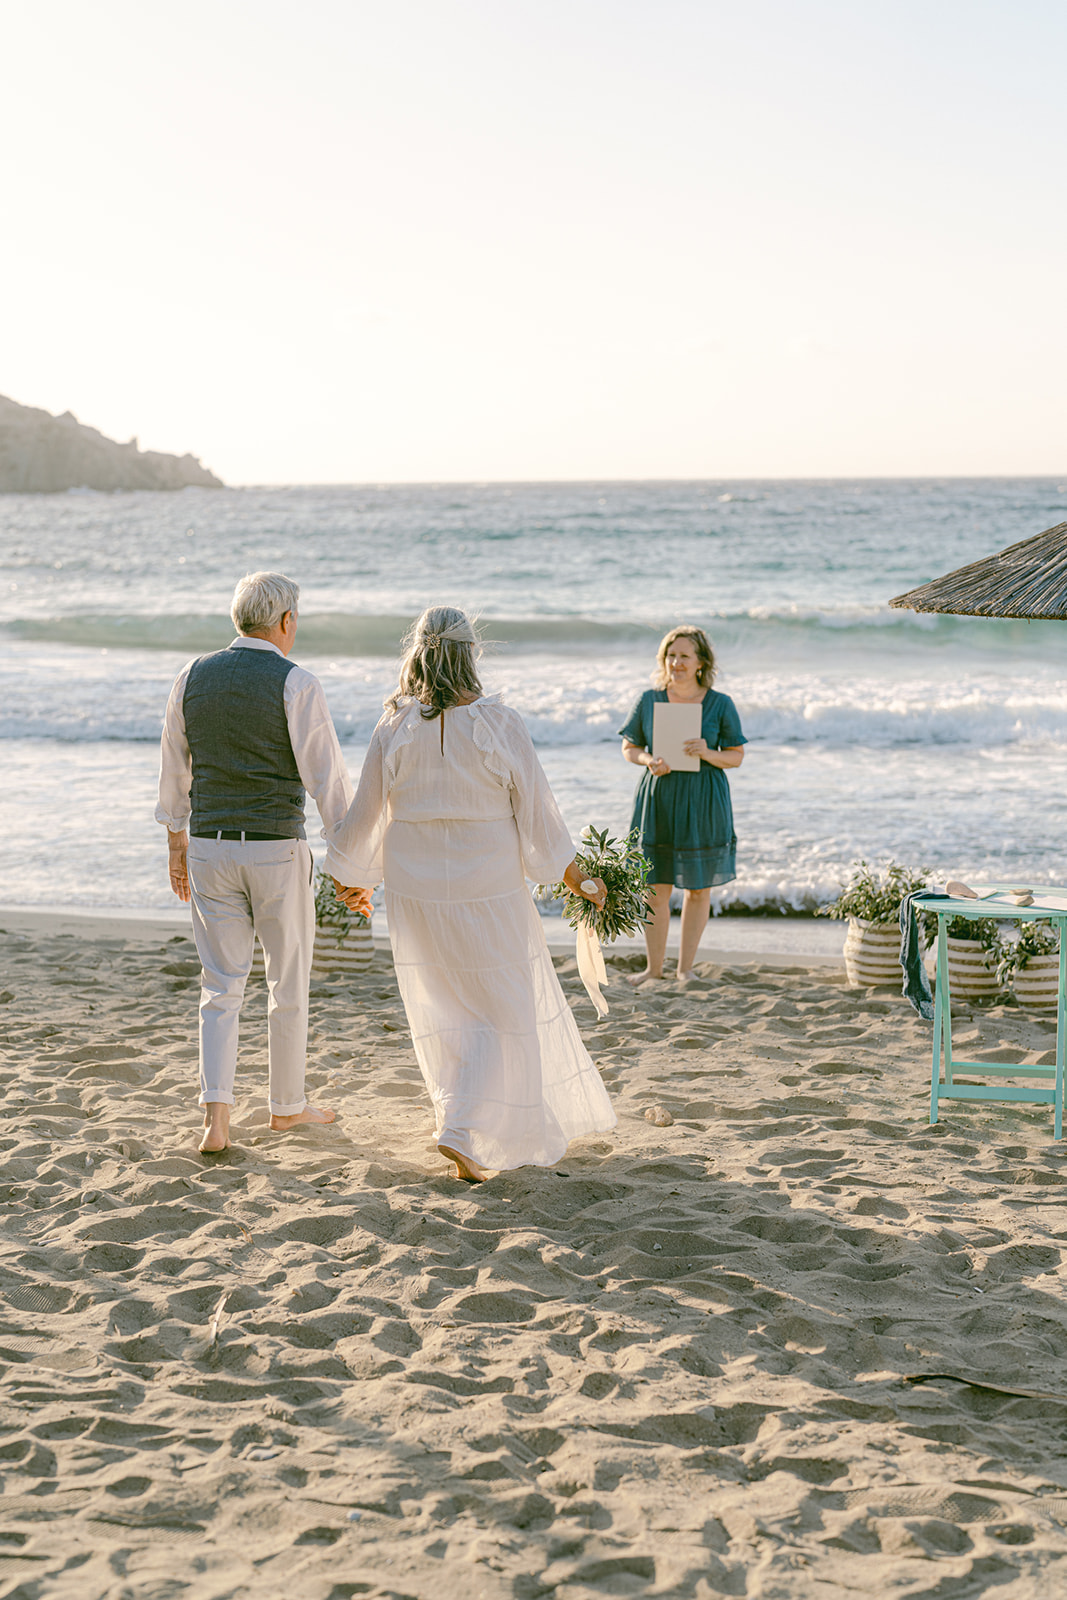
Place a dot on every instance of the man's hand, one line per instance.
(177, 847)
(357, 900)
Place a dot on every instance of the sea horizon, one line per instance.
(576, 482)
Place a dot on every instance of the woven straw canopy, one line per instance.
(1028, 579)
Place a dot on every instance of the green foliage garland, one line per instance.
(624, 869)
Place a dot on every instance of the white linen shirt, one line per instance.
(311, 732)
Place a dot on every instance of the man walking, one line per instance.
(246, 732)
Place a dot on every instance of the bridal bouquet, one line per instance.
(624, 871)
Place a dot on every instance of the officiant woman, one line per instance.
(684, 819)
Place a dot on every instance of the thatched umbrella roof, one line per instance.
(1028, 579)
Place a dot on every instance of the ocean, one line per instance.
(940, 741)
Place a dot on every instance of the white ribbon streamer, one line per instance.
(591, 968)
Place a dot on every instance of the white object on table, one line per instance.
(672, 726)
(1043, 900)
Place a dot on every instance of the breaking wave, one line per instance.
(757, 631)
(326, 634)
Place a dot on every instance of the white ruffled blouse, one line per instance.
(477, 763)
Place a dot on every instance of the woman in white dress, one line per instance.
(455, 813)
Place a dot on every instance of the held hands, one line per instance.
(355, 899)
(178, 865)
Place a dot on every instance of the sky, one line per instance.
(469, 240)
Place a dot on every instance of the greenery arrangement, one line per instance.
(874, 894)
(624, 870)
(330, 913)
(1035, 939)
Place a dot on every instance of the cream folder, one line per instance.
(671, 727)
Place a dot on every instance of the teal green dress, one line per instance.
(684, 820)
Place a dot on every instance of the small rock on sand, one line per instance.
(659, 1116)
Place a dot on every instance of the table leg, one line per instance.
(1061, 1035)
(946, 1009)
(939, 1005)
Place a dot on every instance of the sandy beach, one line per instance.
(677, 1364)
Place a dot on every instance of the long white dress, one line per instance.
(455, 814)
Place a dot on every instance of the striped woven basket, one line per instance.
(354, 954)
(872, 954)
(972, 970)
(1037, 985)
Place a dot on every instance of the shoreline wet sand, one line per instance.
(676, 1364)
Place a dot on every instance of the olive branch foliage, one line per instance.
(874, 894)
(985, 931)
(624, 870)
(1035, 939)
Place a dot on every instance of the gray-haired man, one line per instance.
(246, 732)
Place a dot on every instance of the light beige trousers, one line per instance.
(240, 889)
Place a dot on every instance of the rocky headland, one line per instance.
(43, 454)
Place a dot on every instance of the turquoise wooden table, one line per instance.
(994, 901)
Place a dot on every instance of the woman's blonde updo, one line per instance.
(702, 646)
(440, 665)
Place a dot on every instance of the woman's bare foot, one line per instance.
(636, 979)
(216, 1129)
(466, 1169)
(309, 1114)
(686, 977)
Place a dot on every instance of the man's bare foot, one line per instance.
(216, 1129)
(638, 978)
(466, 1169)
(309, 1114)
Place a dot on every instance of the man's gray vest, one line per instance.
(244, 772)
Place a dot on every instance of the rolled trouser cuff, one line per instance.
(277, 1110)
(215, 1097)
